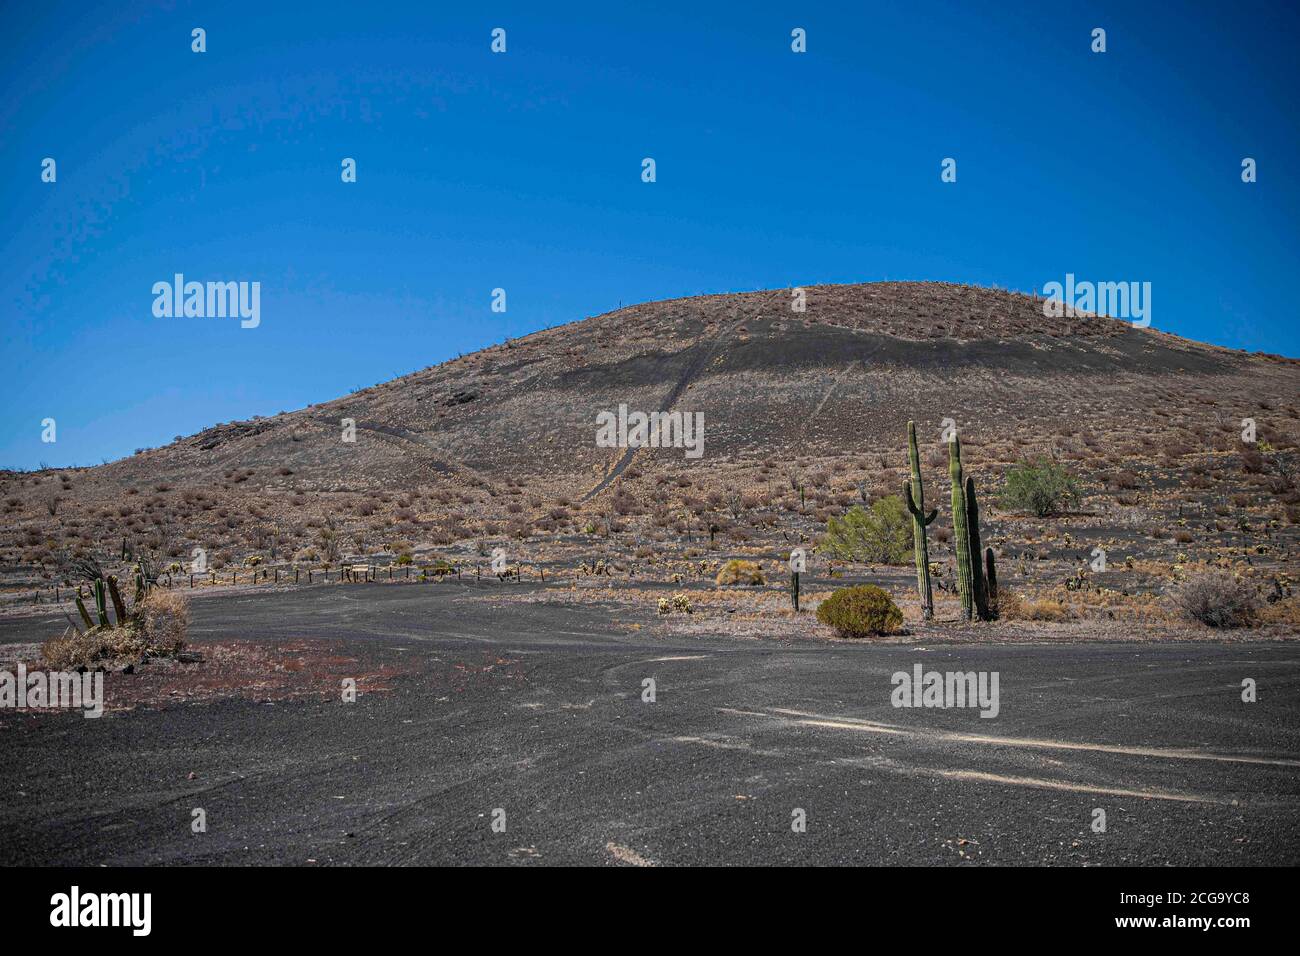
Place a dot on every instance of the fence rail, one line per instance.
(348, 574)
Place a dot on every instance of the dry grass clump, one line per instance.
(156, 628)
(108, 646)
(1285, 612)
(737, 571)
(1093, 604)
(1013, 607)
(165, 620)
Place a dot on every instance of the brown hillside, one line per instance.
(500, 444)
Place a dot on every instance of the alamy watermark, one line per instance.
(1116, 300)
(922, 688)
(653, 430)
(211, 300)
(43, 689)
(75, 908)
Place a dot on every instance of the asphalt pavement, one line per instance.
(523, 733)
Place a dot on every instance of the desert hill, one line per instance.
(804, 415)
(844, 376)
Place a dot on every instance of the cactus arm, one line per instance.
(915, 511)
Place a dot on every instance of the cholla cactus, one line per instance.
(678, 602)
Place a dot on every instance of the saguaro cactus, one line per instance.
(979, 590)
(960, 533)
(914, 495)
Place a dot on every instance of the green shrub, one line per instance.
(1042, 487)
(736, 571)
(882, 535)
(404, 558)
(860, 611)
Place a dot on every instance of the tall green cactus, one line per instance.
(979, 590)
(960, 525)
(914, 495)
(972, 585)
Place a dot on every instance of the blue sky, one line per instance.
(522, 171)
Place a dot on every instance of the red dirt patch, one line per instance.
(254, 671)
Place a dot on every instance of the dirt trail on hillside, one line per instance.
(692, 372)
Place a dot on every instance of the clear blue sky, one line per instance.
(522, 171)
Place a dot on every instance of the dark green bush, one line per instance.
(860, 611)
(1041, 487)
